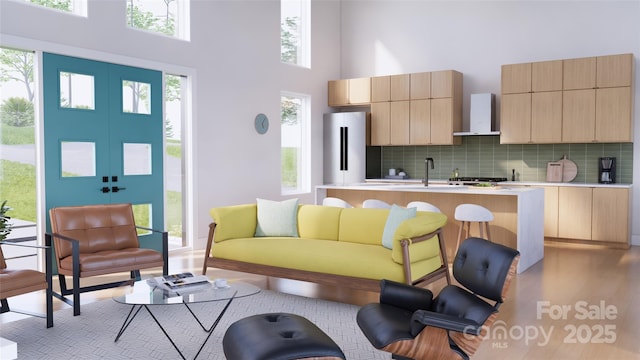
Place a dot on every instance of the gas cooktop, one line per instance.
(471, 180)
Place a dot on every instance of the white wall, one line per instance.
(477, 37)
(234, 54)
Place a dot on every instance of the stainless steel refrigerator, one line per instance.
(345, 148)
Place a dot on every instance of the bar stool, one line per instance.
(337, 202)
(468, 213)
(375, 203)
(423, 206)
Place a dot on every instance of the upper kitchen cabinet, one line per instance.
(568, 101)
(350, 92)
(400, 87)
(597, 99)
(435, 108)
(380, 89)
(531, 107)
(407, 109)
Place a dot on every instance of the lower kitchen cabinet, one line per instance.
(610, 217)
(587, 213)
(594, 214)
(550, 211)
(574, 212)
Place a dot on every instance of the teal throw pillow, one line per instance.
(397, 214)
(277, 218)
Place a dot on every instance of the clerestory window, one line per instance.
(168, 17)
(295, 19)
(78, 7)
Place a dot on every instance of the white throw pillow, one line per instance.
(397, 214)
(277, 218)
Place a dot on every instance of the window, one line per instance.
(168, 17)
(294, 32)
(295, 154)
(78, 7)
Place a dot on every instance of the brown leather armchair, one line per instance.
(96, 240)
(411, 324)
(23, 281)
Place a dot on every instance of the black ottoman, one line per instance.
(277, 336)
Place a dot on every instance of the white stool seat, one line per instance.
(333, 201)
(375, 203)
(423, 206)
(468, 213)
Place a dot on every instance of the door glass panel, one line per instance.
(142, 217)
(137, 159)
(76, 91)
(78, 158)
(136, 97)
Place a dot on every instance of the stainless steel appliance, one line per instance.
(607, 170)
(470, 180)
(345, 147)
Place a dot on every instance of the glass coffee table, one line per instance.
(146, 294)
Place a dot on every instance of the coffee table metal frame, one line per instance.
(155, 296)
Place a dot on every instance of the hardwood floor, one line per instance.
(578, 303)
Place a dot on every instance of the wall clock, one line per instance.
(261, 123)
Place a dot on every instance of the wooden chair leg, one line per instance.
(486, 224)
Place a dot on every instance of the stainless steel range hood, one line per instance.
(482, 119)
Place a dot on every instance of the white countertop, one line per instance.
(370, 182)
(440, 187)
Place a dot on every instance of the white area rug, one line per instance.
(91, 335)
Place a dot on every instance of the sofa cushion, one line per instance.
(319, 222)
(397, 214)
(362, 225)
(277, 218)
(323, 256)
(236, 221)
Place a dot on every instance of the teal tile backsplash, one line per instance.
(485, 156)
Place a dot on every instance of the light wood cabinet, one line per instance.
(574, 212)
(578, 115)
(400, 123)
(516, 78)
(614, 70)
(613, 119)
(579, 73)
(420, 86)
(597, 99)
(436, 108)
(349, 92)
(550, 211)
(610, 217)
(594, 213)
(531, 106)
(587, 213)
(400, 87)
(424, 109)
(381, 123)
(571, 101)
(338, 92)
(380, 89)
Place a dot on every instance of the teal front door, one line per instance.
(103, 138)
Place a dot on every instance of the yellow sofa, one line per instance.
(335, 246)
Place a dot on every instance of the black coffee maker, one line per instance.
(607, 170)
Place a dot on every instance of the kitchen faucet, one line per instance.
(427, 162)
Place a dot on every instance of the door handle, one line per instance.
(105, 189)
(115, 189)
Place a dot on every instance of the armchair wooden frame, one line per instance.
(18, 274)
(76, 290)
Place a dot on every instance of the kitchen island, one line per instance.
(518, 212)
